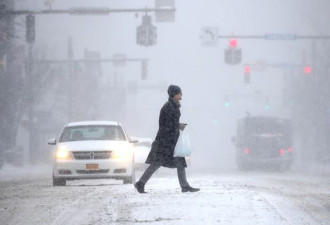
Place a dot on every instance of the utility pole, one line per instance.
(30, 80)
(69, 78)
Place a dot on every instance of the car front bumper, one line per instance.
(92, 169)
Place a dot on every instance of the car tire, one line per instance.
(59, 181)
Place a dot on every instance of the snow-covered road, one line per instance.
(225, 198)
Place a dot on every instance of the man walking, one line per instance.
(161, 153)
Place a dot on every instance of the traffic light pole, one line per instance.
(85, 11)
(284, 37)
(70, 61)
(30, 121)
(233, 55)
(70, 77)
(92, 60)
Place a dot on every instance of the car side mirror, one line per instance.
(133, 140)
(52, 141)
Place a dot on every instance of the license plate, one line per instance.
(92, 166)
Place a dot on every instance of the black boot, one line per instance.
(190, 189)
(140, 187)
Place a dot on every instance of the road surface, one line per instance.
(230, 197)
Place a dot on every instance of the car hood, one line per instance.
(95, 145)
(141, 148)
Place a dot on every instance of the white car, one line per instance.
(93, 149)
(141, 151)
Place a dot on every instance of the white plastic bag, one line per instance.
(183, 146)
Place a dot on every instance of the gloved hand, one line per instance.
(182, 126)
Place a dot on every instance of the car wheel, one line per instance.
(59, 181)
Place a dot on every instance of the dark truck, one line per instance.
(264, 141)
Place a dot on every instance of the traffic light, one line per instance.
(146, 33)
(144, 70)
(30, 28)
(141, 35)
(233, 43)
(247, 71)
(233, 55)
(238, 56)
(307, 70)
(229, 56)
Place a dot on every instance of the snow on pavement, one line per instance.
(225, 198)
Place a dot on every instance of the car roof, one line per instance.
(93, 122)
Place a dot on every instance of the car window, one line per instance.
(92, 132)
(267, 127)
(143, 143)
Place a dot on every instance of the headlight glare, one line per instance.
(63, 154)
(119, 154)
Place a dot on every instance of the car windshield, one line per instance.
(92, 132)
(267, 128)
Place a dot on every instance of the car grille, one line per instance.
(91, 171)
(91, 155)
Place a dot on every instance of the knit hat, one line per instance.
(173, 90)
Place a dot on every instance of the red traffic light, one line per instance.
(307, 70)
(247, 69)
(233, 43)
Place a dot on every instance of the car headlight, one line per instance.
(120, 154)
(63, 153)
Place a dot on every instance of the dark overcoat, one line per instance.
(162, 148)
